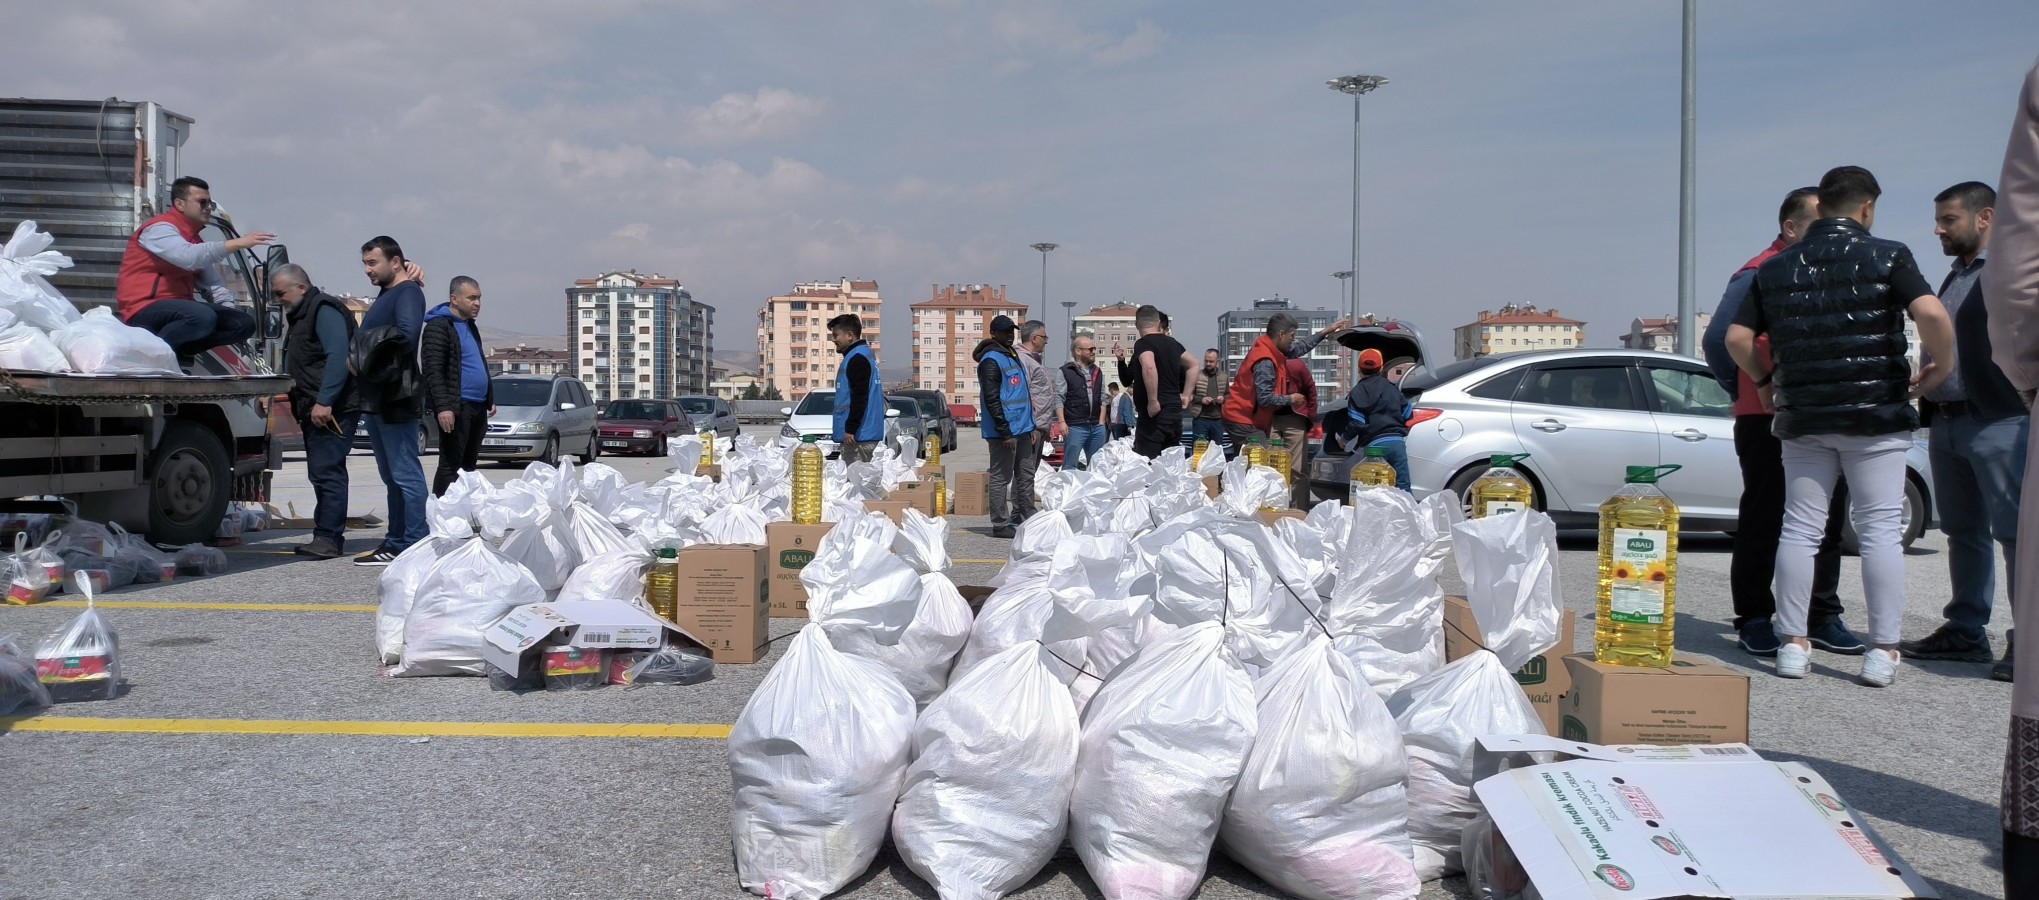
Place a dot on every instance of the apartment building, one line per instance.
(1110, 326)
(793, 345)
(1660, 335)
(1239, 328)
(523, 360)
(1517, 329)
(947, 327)
(638, 336)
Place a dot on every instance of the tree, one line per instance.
(751, 392)
(772, 392)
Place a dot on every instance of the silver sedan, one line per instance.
(1584, 417)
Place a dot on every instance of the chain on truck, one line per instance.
(165, 456)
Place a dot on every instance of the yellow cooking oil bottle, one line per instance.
(807, 482)
(707, 451)
(1278, 460)
(1374, 470)
(941, 495)
(1256, 452)
(662, 586)
(933, 455)
(1638, 601)
(1196, 456)
(1501, 489)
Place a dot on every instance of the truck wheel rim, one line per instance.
(183, 485)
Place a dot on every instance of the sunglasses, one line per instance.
(207, 205)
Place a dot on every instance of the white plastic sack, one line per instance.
(611, 576)
(1387, 597)
(856, 589)
(1509, 565)
(468, 589)
(545, 548)
(817, 759)
(26, 263)
(25, 348)
(592, 534)
(1017, 614)
(734, 524)
(1321, 810)
(1248, 489)
(1163, 744)
(99, 344)
(923, 542)
(986, 801)
(1039, 534)
(1441, 716)
(927, 648)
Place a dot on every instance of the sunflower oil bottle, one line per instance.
(707, 452)
(1278, 460)
(932, 456)
(807, 482)
(1501, 489)
(1638, 601)
(1374, 471)
(662, 586)
(1256, 452)
(941, 494)
(1196, 456)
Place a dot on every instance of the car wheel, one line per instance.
(660, 450)
(1461, 486)
(1912, 526)
(191, 485)
(593, 450)
(550, 454)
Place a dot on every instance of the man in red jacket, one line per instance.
(1760, 522)
(166, 265)
(1292, 425)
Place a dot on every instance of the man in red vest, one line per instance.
(1293, 426)
(1262, 386)
(165, 267)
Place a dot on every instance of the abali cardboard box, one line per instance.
(1692, 702)
(1648, 823)
(972, 495)
(789, 547)
(1544, 679)
(722, 600)
(589, 624)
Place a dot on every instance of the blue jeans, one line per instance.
(325, 463)
(1084, 441)
(395, 444)
(191, 327)
(1978, 475)
(1212, 430)
(1397, 456)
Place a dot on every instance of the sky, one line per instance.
(1182, 154)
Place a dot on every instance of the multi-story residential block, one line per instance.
(523, 360)
(1239, 328)
(1517, 329)
(1660, 335)
(947, 327)
(1110, 326)
(638, 336)
(793, 345)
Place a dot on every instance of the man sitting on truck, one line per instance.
(166, 265)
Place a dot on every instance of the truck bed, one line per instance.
(72, 389)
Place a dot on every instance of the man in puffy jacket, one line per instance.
(166, 265)
(389, 405)
(1007, 419)
(458, 391)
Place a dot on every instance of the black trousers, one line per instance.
(1157, 433)
(1753, 570)
(460, 448)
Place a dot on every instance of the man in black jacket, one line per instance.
(1978, 441)
(321, 398)
(457, 387)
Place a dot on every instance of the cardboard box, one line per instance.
(975, 594)
(722, 600)
(930, 473)
(1271, 516)
(1546, 679)
(713, 472)
(1692, 702)
(1648, 823)
(971, 494)
(1211, 486)
(892, 509)
(918, 495)
(788, 549)
(589, 624)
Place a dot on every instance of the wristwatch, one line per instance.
(1766, 379)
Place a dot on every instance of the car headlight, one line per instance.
(789, 431)
(641, 432)
(529, 428)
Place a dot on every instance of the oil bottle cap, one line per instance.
(1376, 453)
(1280, 443)
(668, 553)
(1506, 460)
(1649, 474)
(810, 438)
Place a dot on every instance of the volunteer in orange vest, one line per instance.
(1263, 387)
(166, 266)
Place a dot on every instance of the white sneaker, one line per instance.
(1879, 668)
(1793, 661)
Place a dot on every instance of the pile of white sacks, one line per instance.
(40, 331)
(570, 534)
(1157, 673)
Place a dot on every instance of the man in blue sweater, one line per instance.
(458, 392)
(321, 397)
(392, 417)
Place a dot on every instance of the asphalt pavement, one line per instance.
(258, 752)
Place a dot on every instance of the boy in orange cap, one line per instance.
(1377, 415)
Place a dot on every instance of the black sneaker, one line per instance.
(319, 548)
(1834, 637)
(1004, 531)
(2002, 670)
(380, 556)
(1948, 645)
(1758, 638)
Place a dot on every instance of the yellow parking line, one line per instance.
(79, 724)
(227, 607)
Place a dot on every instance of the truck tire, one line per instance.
(190, 484)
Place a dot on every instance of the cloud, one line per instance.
(1039, 27)
(768, 114)
(1145, 41)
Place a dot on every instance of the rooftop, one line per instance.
(1524, 314)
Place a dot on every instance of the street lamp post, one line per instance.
(1688, 152)
(1069, 312)
(1044, 247)
(1358, 86)
(1343, 279)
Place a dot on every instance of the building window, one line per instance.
(587, 345)
(587, 329)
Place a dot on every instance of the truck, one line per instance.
(163, 456)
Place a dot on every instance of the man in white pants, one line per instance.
(1834, 305)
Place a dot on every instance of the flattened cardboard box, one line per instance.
(972, 495)
(722, 600)
(789, 547)
(1545, 679)
(1692, 702)
(590, 624)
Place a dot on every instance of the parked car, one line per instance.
(428, 434)
(539, 417)
(963, 413)
(641, 426)
(815, 415)
(1584, 416)
(905, 412)
(936, 412)
(706, 414)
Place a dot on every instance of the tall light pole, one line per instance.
(1343, 279)
(1069, 313)
(1358, 86)
(1688, 151)
(1044, 247)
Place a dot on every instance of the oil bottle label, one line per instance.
(1641, 571)
(1497, 507)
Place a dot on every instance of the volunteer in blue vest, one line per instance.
(1008, 417)
(166, 265)
(859, 393)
